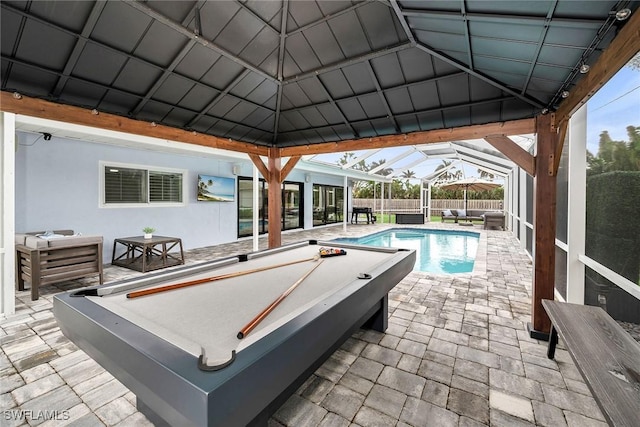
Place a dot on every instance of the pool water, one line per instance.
(437, 251)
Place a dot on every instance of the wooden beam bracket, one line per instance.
(514, 152)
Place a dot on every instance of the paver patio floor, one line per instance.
(456, 353)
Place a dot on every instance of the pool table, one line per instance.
(179, 350)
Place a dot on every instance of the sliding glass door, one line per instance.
(292, 206)
(328, 202)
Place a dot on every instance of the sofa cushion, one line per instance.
(35, 242)
(494, 214)
(447, 212)
(20, 238)
(74, 240)
(63, 232)
(462, 212)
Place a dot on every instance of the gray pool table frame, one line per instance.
(171, 390)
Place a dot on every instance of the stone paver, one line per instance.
(456, 353)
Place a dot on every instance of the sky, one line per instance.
(614, 107)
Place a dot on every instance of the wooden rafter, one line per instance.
(66, 113)
(514, 127)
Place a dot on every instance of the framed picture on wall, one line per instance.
(216, 188)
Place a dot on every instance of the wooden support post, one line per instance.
(274, 174)
(544, 224)
(275, 198)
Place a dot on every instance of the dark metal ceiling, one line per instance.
(299, 72)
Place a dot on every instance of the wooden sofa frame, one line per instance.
(49, 265)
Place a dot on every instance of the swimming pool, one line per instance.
(437, 251)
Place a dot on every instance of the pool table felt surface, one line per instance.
(205, 319)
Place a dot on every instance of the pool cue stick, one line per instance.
(160, 289)
(260, 317)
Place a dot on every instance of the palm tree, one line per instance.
(383, 171)
(449, 175)
(485, 175)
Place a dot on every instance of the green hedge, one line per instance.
(613, 230)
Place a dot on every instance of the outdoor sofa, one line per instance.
(44, 258)
(489, 218)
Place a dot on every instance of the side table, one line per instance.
(148, 254)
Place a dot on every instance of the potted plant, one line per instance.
(148, 232)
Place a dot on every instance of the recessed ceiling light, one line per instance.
(584, 68)
(564, 94)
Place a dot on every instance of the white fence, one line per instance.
(437, 205)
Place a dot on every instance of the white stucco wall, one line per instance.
(57, 187)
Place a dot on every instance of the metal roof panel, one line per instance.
(173, 89)
(301, 52)
(222, 73)
(349, 33)
(178, 117)
(214, 16)
(197, 62)
(80, 93)
(359, 78)
(130, 23)
(160, 44)
(352, 109)
(313, 90)
(336, 84)
(263, 92)
(313, 116)
(399, 100)
(372, 105)
(303, 13)
(388, 70)
(99, 64)
(118, 102)
(239, 31)
(137, 77)
(44, 45)
(378, 23)
(324, 45)
(198, 97)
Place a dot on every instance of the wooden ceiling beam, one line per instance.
(69, 114)
(617, 55)
(514, 152)
(513, 127)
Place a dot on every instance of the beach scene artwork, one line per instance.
(216, 188)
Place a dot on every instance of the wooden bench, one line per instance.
(605, 354)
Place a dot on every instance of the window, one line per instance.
(135, 186)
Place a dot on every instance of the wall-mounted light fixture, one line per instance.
(307, 178)
(235, 169)
(46, 136)
(623, 14)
